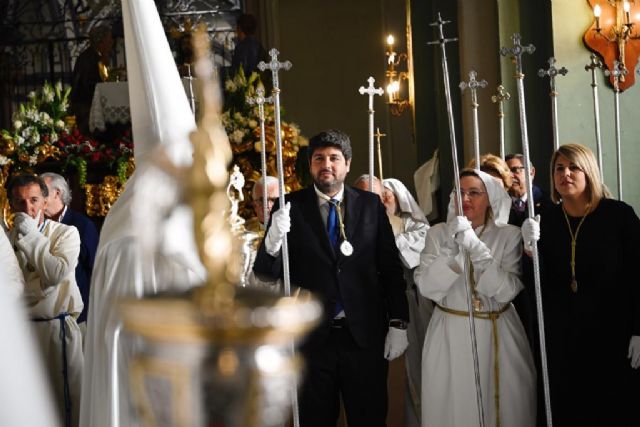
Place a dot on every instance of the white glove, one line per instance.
(280, 226)
(25, 223)
(634, 351)
(396, 343)
(530, 232)
(466, 237)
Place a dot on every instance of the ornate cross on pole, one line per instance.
(275, 66)
(499, 98)
(552, 72)
(371, 91)
(379, 136)
(473, 85)
(618, 72)
(260, 100)
(516, 53)
(592, 66)
(442, 41)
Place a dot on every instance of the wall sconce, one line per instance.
(397, 104)
(613, 35)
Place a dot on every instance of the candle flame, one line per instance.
(626, 6)
(390, 40)
(597, 11)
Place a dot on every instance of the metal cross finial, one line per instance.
(499, 98)
(595, 63)
(552, 71)
(441, 39)
(618, 72)
(371, 90)
(274, 65)
(516, 52)
(592, 66)
(259, 99)
(473, 86)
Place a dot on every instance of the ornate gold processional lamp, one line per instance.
(217, 354)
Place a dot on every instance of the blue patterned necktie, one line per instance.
(519, 205)
(332, 230)
(332, 223)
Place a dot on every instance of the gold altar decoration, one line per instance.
(217, 354)
(100, 197)
(242, 123)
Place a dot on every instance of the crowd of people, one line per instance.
(391, 285)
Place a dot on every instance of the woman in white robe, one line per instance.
(507, 373)
(410, 227)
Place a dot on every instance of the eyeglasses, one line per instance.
(516, 169)
(472, 194)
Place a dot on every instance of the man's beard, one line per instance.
(327, 186)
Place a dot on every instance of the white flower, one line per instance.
(17, 125)
(20, 140)
(33, 159)
(230, 86)
(31, 95)
(3, 160)
(237, 136)
(59, 86)
(253, 124)
(53, 137)
(60, 124)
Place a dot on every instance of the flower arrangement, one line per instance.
(42, 130)
(37, 124)
(242, 123)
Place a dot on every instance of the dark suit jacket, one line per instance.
(370, 281)
(88, 246)
(540, 201)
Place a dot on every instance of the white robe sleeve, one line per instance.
(13, 273)
(435, 276)
(53, 263)
(411, 241)
(501, 277)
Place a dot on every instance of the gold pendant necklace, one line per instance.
(574, 239)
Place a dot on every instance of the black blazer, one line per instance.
(88, 246)
(370, 281)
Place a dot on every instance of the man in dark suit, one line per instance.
(58, 210)
(356, 272)
(518, 191)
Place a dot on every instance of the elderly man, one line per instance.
(58, 210)
(341, 247)
(47, 253)
(518, 190)
(362, 183)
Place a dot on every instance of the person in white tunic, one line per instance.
(47, 252)
(147, 243)
(410, 230)
(507, 373)
(25, 397)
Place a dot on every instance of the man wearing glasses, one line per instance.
(518, 190)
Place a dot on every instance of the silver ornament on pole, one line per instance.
(552, 72)
(260, 100)
(618, 72)
(593, 66)
(275, 66)
(442, 41)
(371, 91)
(473, 86)
(516, 53)
(499, 98)
(379, 136)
